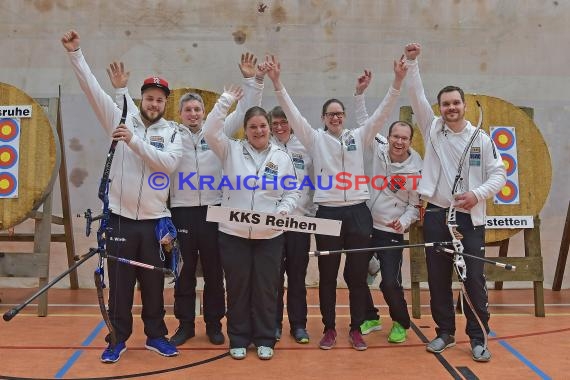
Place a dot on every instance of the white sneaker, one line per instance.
(238, 353)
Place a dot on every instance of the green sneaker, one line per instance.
(398, 334)
(371, 325)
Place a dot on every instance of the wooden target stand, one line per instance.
(535, 177)
(41, 158)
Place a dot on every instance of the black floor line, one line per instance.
(439, 357)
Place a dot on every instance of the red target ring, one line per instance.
(8, 156)
(9, 130)
(510, 163)
(508, 193)
(8, 184)
(503, 138)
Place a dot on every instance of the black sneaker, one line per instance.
(301, 336)
(216, 337)
(182, 334)
(278, 332)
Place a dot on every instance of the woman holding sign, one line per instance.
(251, 256)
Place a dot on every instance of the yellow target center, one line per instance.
(506, 191)
(503, 139)
(5, 156)
(4, 184)
(5, 129)
(507, 164)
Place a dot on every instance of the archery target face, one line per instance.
(504, 138)
(8, 184)
(9, 130)
(509, 193)
(8, 156)
(506, 142)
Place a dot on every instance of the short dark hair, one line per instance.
(401, 122)
(254, 111)
(450, 89)
(277, 111)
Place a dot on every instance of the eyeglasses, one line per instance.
(282, 123)
(331, 115)
(396, 138)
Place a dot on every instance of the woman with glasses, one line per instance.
(338, 154)
(297, 244)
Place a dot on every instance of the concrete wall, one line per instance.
(514, 50)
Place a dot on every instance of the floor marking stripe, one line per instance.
(521, 357)
(63, 370)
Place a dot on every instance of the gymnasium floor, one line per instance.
(68, 342)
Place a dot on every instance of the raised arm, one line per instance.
(359, 102)
(107, 112)
(252, 92)
(420, 105)
(119, 79)
(303, 130)
(374, 124)
(213, 126)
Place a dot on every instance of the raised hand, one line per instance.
(400, 71)
(70, 40)
(119, 78)
(247, 65)
(235, 91)
(363, 81)
(273, 67)
(412, 50)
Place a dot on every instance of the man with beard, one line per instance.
(148, 144)
(446, 139)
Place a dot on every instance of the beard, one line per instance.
(459, 115)
(147, 117)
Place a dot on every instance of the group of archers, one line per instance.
(253, 260)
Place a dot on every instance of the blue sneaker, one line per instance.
(161, 346)
(113, 354)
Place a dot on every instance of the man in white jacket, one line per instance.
(148, 144)
(394, 169)
(446, 139)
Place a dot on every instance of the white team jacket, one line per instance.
(332, 155)
(153, 149)
(237, 157)
(486, 176)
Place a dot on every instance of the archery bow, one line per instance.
(104, 229)
(456, 236)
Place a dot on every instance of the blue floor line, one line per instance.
(520, 356)
(63, 370)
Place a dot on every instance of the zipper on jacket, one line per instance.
(141, 184)
(197, 169)
(342, 160)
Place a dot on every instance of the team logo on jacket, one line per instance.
(204, 145)
(271, 170)
(298, 160)
(157, 142)
(475, 156)
(349, 142)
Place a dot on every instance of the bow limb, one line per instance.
(102, 233)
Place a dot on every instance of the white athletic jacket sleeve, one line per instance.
(214, 125)
(165, 161)
(360, 110)
(252, 93)
(374, 123)
(422, 109)
(303, 130)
